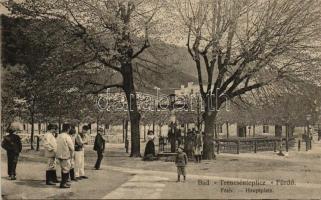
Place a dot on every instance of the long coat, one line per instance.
(12, 143)
(50, 145)
(99, 143)
(65, 146)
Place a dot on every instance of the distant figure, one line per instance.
(65, 150)
(149, 153)
(180, 162)
(189, 144)
(198, 147)
(50, 147)
(178, 135)
(12, 144)
(99, 146)
(172, 137)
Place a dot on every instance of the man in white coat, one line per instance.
(80, 141)
(50, 146)
(65, 150)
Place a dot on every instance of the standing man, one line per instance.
(65, 150)
(50, 146)
(12, 144)
(172, 137)
(99, 146)
(72, 134)
(80, 141)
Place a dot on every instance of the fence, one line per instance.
(246, 145)
(235, 145)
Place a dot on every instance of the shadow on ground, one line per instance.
(32, 183)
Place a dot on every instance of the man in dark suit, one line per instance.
(12, 144)
(172, 136)
(99, 146)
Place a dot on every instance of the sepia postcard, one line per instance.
(160, 99)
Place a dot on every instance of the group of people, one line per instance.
(174, 136)
(67, 148)
(194, 144)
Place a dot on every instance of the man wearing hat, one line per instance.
(12, 144)
(50, 146)
(99, 146)
(65, 150)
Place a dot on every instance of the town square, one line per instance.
(160, 99)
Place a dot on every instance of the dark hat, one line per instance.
(100, 129)
(72, 131)
(85, 128)
(66, 127)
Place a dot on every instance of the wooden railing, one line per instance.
(237, 145)
(245, 145)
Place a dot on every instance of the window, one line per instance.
(265, 128)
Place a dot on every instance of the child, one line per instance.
(181, 162)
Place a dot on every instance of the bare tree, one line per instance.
(243, 46)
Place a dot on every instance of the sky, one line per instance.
(3, 10)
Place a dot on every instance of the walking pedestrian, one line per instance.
(80, 141)
(198, 148)
(99, 146)
(50, 146)
(12, 144)
(181, 162)
(65, 150)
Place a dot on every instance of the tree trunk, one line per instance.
(254, 130)
(144, 133)
(97, 124)
(227, 130)
(32, 129)
(123, 130)
(134, 115)
(39, 128)
(209, 120)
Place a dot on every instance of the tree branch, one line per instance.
(145, 46)
(104, 87)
